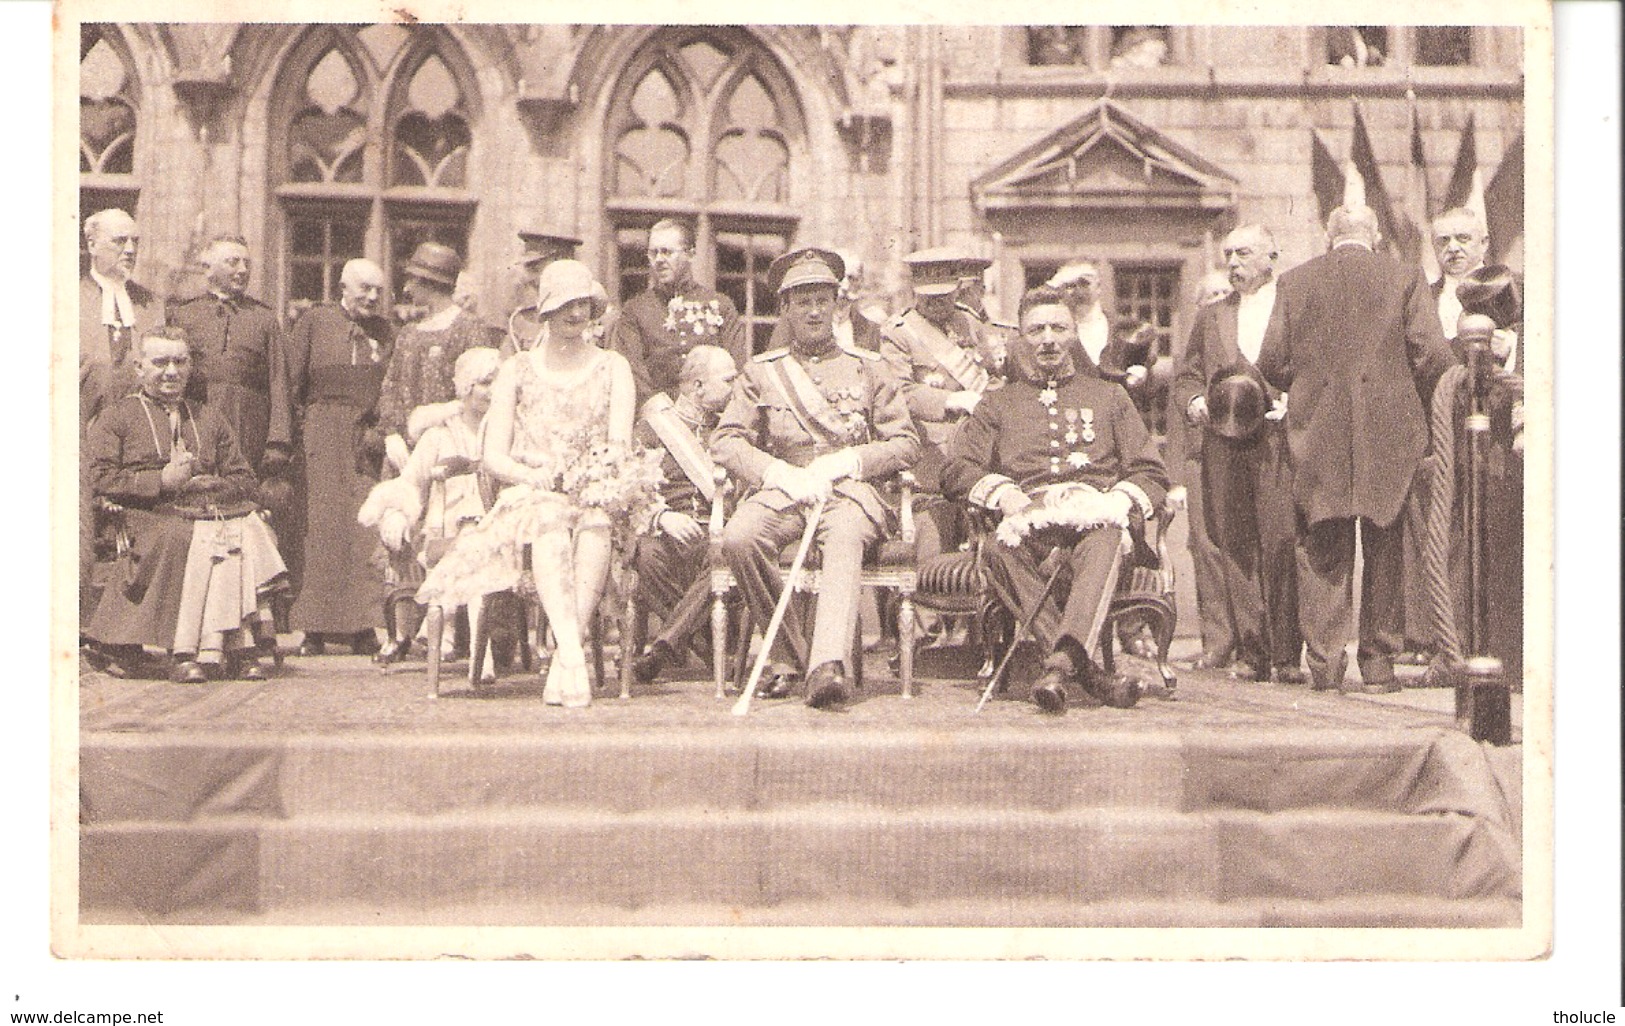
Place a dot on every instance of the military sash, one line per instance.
(954, 359)
(660, 413)
(809, 406)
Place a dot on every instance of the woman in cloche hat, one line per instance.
(559, 441)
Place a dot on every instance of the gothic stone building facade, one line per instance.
(1139, 145)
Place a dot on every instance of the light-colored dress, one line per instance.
(561, 426)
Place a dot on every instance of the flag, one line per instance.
(1466, 187)
(1326, 177)
(1503, 207)
(1365, 185)
(1417, 237)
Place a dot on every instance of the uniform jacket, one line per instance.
(657, 329)
(1355, 338)
(677, 492)
(100, 382)
(1094, 436)
(239, 368)
(908, 344)
(863, 410)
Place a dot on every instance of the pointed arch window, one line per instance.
(373, 137)
(109, 99)
(705, 126)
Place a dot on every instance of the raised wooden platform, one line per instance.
(336, 795)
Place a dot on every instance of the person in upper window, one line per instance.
(202, 563)
(658, 326)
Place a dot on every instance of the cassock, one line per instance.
(239, 368)
(335, 368)
(200, 567)
(1046, 435)
(796, 406)
(658, 327)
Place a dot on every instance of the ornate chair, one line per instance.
(889, 565)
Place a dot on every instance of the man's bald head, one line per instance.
(1353, 224)
(361, 287)
(111, 239)
(707, 377)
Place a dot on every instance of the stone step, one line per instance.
(765, 858)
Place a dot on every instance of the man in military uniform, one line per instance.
(972, 298)
(943, 363)
(542, 247)
(240, 367)
(658, 327)
(807, 424)
(1059, 453)
(671, 555)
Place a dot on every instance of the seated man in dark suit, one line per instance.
(1066, 460)
(202, 562)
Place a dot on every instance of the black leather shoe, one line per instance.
(189, 672)
(777, 682)
(392, 651)
(1049, 693)
(1120, 691)
(826, 686)
(1381, 687)
(250, 669)
(312, 646)
(648, 666)
(1289, 675)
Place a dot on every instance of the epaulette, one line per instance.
(770, 355)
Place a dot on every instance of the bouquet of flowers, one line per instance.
(620, 479)
(693, 320)
(1073, 507)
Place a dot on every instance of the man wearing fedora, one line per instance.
(810, 424)
(420, 369)
(1246, 475)
(542, 246)
(1355, 337)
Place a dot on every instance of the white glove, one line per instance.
(1196, 412)
(681, 527)
(1124, 500)
(796, 482)
(1178, 498)
(1277, 409)
(832, 466)
(393, 529)
(963, 401)
(1502, 343)
(1134, 376)
(1014, 501)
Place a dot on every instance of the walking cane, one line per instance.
(742, 706)
(1015, 642)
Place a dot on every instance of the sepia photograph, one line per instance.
(906, 490)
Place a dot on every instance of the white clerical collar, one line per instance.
(117, 307)
(1354, 242)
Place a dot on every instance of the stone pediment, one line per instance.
(1106, 158)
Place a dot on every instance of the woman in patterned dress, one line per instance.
(558, 440)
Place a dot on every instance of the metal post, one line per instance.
(1483, 700)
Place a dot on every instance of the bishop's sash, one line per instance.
(660, 413)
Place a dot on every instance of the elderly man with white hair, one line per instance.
(1354, 336)
(337, 353)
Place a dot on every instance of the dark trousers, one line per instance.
(1248, 486)
(1077, 609)
(674, 582)
(1418, 610)
(1326, 596)
(1212, 610)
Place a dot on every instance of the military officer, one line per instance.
(942, 359)
(805, 424)
(658, 326)
(239, 360)
(1059, 451)
(542, 247)
(671, 554)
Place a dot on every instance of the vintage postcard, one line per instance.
(552, 484)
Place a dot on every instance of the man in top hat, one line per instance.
(113, 311)
(1246, 470)
(1356, 339)
(658, 326)
(426, 351)
(1066, 461)
(239, 360)
(542, 246)
(671, 555)
(944, 363)
(808, 423)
